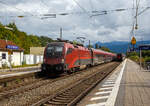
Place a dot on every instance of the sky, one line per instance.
(85, 18)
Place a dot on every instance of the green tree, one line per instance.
(105, 49)
(22, 39)
(44, 40)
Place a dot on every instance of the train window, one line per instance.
(59, 49)
(69, 50)
(50, 49)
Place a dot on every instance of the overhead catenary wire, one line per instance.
(143, 11)
(81, 7)
(15, 8)
(43, 2)
(53, 15)
(91, 4)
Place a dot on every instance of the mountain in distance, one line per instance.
(120, 46)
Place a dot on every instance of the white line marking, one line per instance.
(112, 98)
(97, 98)
(106, 88)
(104, 92)
(98, 104)
(106, 85)
(111, 78)
(109, 82)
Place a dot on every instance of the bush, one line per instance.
(134, 58)
(132, 54)
(147, 59)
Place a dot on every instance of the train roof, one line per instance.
(82, 47)
(103, 52)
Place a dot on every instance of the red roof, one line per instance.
(4, 43)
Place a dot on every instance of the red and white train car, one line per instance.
(62, 56)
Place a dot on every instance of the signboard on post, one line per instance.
(144, 47)
(133, 41)
(12, 47)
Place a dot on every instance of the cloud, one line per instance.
(110, 27)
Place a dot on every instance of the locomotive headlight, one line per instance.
(62, 61)
(44, 60)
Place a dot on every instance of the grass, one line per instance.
(24, 65)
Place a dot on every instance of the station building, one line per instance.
(10, 53)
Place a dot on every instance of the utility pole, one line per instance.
(89, 44)
(137, 5)
(61, 33)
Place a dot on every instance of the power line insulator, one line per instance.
(136, 26)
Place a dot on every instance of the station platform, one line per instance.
(6, 73)
(127, 85)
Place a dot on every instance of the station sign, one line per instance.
(144, 47)
(12, 47)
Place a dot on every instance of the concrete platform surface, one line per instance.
(126, 86)
(135, 86)
(17, 74)
(4, 72)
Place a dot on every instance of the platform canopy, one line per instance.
(144, 47)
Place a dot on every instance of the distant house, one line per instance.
(10, 53)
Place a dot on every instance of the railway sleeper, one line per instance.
(63, 98)
(66, 95)
(71, 94)
(61, 101)
(56, 103)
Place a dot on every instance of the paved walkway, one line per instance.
(127, 86)
(6, 73)
(106, 91)
(20, 69)
(135, 86)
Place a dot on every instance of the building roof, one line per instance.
(5, 43)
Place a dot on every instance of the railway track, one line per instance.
(74, 93)
(25, 87)
(26, 93)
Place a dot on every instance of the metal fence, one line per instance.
(146, 65)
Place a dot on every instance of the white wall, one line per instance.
(33, 59)
(29, 59)
(17, 58)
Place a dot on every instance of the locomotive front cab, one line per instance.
(54, 58)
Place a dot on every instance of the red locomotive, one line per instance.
(63, 56)
(120, 57)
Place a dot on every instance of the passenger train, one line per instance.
(60, 57)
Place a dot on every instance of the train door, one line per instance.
(79, 54)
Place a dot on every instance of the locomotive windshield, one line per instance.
(54, 50)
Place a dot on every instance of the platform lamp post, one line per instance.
(140, 59)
